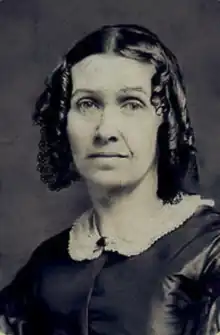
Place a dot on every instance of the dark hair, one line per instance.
(176, 143)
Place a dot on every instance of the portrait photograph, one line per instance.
(110, 167)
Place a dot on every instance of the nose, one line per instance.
(106, 130)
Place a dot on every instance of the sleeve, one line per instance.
(210, 324)
(189, 297)
(193, 296)
(16, 300)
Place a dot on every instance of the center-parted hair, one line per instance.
(176, 144)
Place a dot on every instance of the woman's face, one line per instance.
(112, 125)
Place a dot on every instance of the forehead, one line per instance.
(110, 72)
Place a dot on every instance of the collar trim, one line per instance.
(84, 234)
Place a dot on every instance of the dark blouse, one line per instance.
(172, 288)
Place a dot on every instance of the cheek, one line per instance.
(72, 132)
(78, 133)
(143, 138)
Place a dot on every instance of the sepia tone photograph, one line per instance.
(109, 168)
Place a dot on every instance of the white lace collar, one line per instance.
(84, 234)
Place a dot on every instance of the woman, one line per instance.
(145, 258)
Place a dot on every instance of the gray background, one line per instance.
(33, 33)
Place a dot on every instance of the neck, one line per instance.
(119, 207)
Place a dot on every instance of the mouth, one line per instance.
(107, 155)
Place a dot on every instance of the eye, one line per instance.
(87, 105)
(133, 104)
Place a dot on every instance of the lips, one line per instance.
(107, 155)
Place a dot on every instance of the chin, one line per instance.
(111, 181)
(108, 180)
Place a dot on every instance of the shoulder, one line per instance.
(190, 247)
(210, 232)
(16, 299)
(196, 247)
(49, 251)
(204, 225)
(197, 232)
(53, 247)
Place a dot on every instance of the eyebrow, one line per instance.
(82, 90)
(129, 89)
(125, 89)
